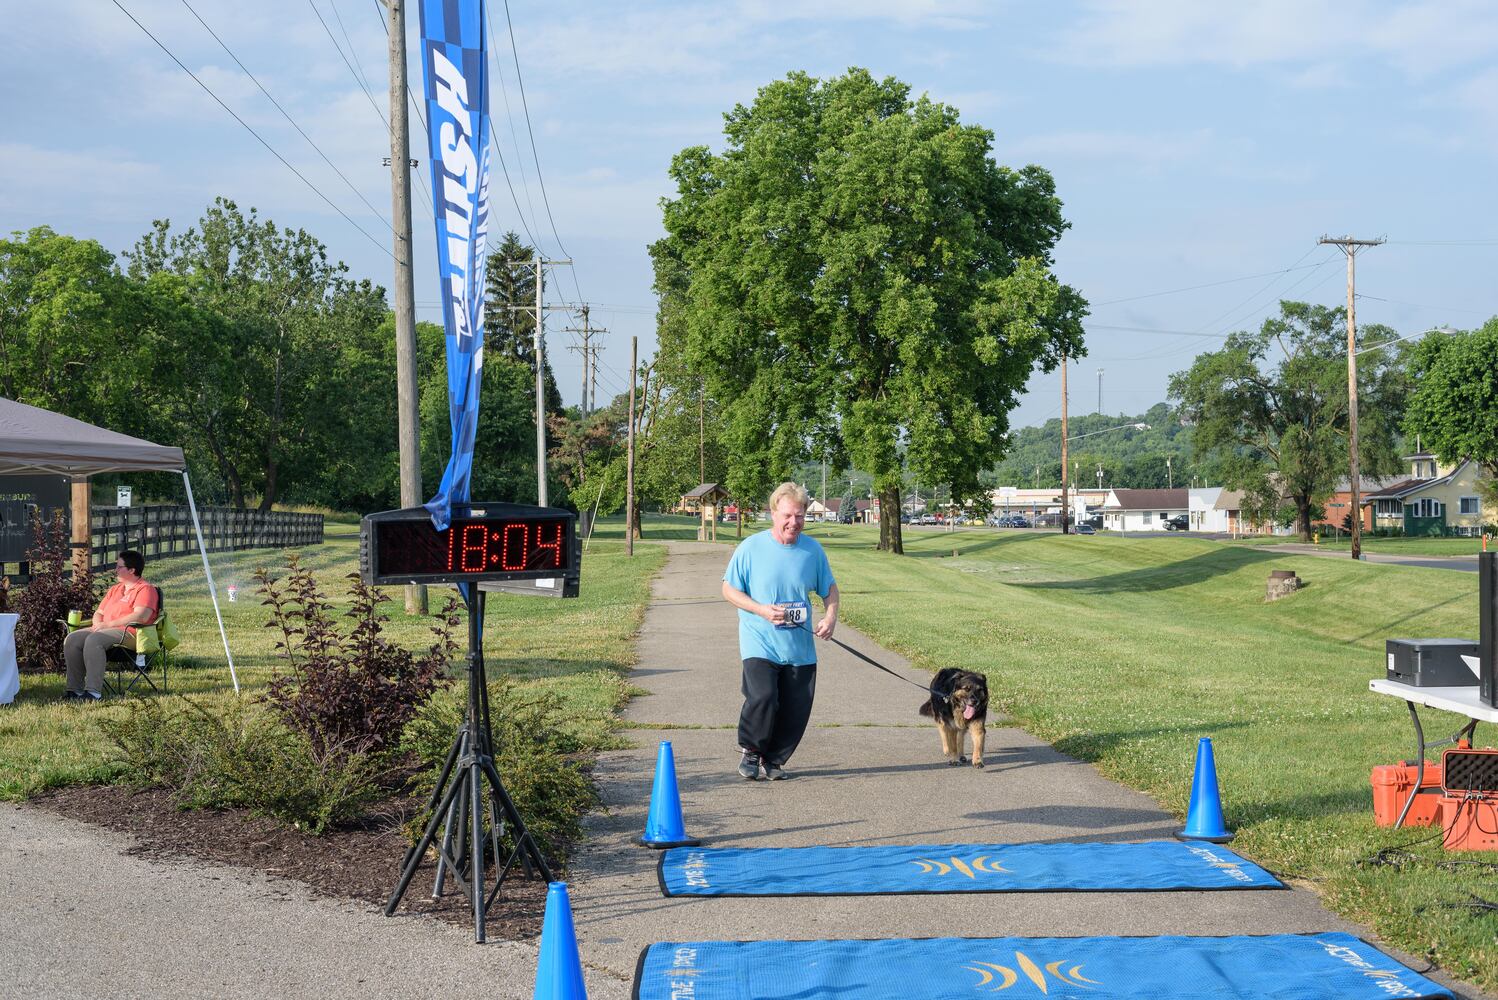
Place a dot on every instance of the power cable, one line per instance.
(1193, 288)
(416, 107)
(540, 179)
(385, 121)
(287, 115)
(159, 44)
(504, 93)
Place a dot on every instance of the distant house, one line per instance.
(1339, 504)
(1144, 510)
(865, 511)
(1205, 514)
(1437, 500)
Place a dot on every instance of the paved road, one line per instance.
(868, 772)
(1465, 564)
(81, 920)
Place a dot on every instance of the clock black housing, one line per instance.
(484, 542)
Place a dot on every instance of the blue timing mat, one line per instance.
(1274, 967)
(871, 871)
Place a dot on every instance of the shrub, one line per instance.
(50, 595)
(241, 759)
(347, 693)
(535, 753)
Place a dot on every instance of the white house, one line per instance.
(1143, 510)
(1206, 515)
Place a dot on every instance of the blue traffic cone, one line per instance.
(1204, 817)
(559, 970)
(663, 827)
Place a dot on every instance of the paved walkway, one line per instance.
(869, 771)
(1465, 564)
(80, 918)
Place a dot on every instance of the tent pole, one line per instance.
(212, 589)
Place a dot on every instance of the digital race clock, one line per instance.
(484, 542)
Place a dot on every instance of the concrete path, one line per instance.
(1464, 564)
(868, 772)
(82, 920)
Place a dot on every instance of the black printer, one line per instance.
(1431, 662)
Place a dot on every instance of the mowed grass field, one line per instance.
(581, 648)
(1124, 651)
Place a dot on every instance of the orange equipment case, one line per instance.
(1469, 824)
(1391, 787)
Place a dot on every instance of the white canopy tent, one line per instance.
(33, 440)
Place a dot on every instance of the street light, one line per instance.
(1137, 427)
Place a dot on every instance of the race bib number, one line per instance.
(797, 613)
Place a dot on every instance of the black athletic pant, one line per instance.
(777, 706)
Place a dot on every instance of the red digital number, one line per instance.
(555, 545)
(468, 546)
(505, 561)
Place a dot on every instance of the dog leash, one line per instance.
(870, 660)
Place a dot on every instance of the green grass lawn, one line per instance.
(1123, 651)
(580, 648)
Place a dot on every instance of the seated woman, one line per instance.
(132, 599)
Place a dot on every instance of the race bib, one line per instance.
(797, 614)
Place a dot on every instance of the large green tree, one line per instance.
(861, 275)
(1271, 406)
(67, 319)
(1453, 408)
(295, 329)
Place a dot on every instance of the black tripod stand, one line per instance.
(459, 804)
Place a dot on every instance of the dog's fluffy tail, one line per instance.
(926, 709)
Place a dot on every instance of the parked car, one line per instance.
(1085, 529)
(1178, 523)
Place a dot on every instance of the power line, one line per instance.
(287, 115)
(159, 44)
(1209, 284)
(385, 121)
(504, 93)
(540, 179)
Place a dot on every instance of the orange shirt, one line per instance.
(122, 599)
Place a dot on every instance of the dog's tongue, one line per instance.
(967, 712)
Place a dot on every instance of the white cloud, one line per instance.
(1418, 39)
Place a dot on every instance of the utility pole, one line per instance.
(589, 353)
(629, 465)
(1170, 482)
(702, 444)
(1100, 476)
(1350, 247)
(1065, 520)
(539, 348)
(1100, 390)
(407, 399)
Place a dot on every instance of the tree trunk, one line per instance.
(1303, 517)
(890, 539)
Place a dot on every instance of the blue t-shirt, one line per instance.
(772, 573)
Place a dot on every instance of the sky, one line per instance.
(1192, 144)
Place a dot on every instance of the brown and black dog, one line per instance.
(958, 703)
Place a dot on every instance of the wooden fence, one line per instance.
(166, 530)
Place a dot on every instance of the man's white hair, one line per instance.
(789, 491)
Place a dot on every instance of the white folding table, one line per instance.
(1460, 700)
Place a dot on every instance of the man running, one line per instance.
(769, 579)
